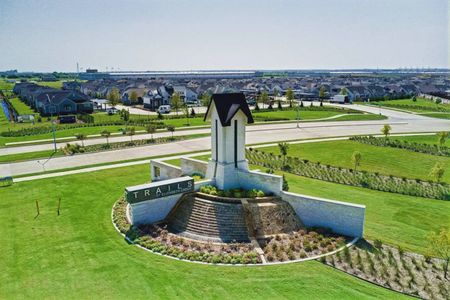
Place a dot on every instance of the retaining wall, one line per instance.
(190, 166)
(166, 171)
(343, 218)
(269, 183)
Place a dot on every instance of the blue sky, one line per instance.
(44, 35)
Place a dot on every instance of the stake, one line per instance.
(59, 205)
(37, 208)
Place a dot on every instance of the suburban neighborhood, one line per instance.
(225, 149)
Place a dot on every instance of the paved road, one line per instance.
(400, 123)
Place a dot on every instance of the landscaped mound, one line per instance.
(297, 245)
(161, 241)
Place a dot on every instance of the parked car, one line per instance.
(67, 119)
(164, 109)
(112, 111)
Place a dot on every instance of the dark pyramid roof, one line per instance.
(227, 105)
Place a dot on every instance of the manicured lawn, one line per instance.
(79, 254)
(359, 117)
(292, 114)
(385, 160)
(30, 155)
(421, 105)
(437, 115)
(54, 84)
(21, 108)
(4, 85)
(425, 139)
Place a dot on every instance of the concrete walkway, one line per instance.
(146, 161)
(400, 123)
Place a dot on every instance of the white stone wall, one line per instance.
(261, 181)
(190, 166)
(167, 171)
(152, 211)
(343, 218)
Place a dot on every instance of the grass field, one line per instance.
(4, 85)
(437, 115)
(425, 139)
(54, 84)
(384, 160)
(421, 105)
(79, 254)
(21, 108)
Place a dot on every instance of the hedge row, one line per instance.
(70, 149)
(47, 129)
(411, 146)
(351, 177)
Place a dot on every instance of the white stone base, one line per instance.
(225, 174)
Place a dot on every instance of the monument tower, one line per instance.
(229, 113)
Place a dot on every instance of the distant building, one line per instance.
(49, 101)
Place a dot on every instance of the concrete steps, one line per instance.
(199, 218)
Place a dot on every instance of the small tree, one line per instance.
(264, 98)
(81, 137)
(131, 131)
(440, 246)
(186, 113)
(106, 134)
(280, 107)
(133, 97)
(151, 129)
(344, 91)
(171, 128)
(356, 159)
(414, 99)
(193, 114)
(322, 92)
(290, 96)
(437, 172)
(113, 97)
(125, 115)
(160, 116)
(275, 94)
(175, 101)
(284, 147)
(442, 138)
(285, 184)
(205, 99)
(386, 130)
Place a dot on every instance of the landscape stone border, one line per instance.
(350, 244)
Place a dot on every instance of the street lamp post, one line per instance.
(54, 135)
(51, 105)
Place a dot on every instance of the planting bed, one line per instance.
(301, 244)
(393, 268)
